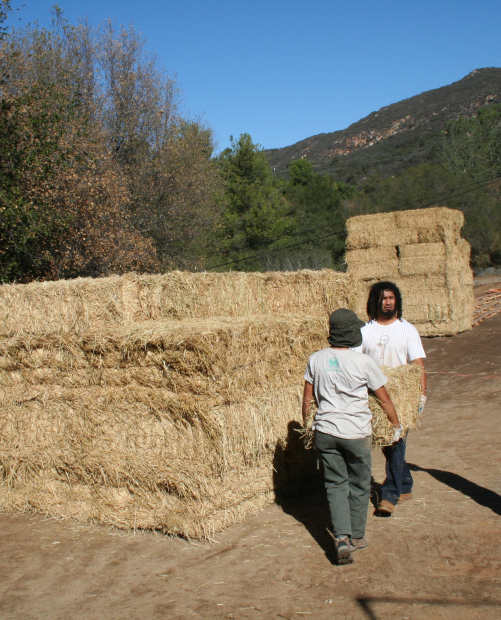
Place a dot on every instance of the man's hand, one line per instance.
(397, 433)
(422, 403)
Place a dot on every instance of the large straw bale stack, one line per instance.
(130, 401)
(76, 305)
(182, 426)
(142, 458)
(423, 253)
(201, 445)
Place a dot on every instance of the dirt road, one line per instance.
(439, 556)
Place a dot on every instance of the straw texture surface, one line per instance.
(76, 305)
(423, 253)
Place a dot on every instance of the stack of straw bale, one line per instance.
(162, 402)
(165, 402)
(423, 253)
(176, 426)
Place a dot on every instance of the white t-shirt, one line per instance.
(340, 379)
(392, 345)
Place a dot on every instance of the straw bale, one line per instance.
(458, 264)
(191, 295)
(422, 259)
(77, 305)
(404, 388)
(183, 426)
(428, 312)
(218, 356)
(432, 270)
(62, 305)
(145, 458)
(432, 225)
(373, 263)
(463, 306)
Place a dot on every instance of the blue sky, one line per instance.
(284, 71)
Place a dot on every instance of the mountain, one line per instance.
(395, 137)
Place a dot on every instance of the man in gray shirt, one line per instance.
(339, 379)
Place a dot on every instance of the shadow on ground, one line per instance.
(481, 495)
(367, 603)
(299, 489)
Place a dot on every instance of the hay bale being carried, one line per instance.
(423, 253)
(404, 388)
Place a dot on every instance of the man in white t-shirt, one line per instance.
(392, 341)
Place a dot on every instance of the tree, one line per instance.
(61, 196)
(99, 171)
(5, 9)
(316, 201)
(471, 147)
(166, 159)
(256, 216)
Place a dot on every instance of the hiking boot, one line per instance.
(386, 508)
(405, 496)
(358, 543)
(343, 550)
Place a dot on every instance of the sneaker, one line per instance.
(358, 543)
(386, 508)
(343, 550)
(405, 496)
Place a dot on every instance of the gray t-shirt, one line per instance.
(340, 378)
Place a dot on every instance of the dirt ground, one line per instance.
(439, 556)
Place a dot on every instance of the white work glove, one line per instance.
(422, 403)
(397, 432)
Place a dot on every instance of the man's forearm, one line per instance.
(307, 398)
(306, 410)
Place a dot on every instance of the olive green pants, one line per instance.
(347, 478)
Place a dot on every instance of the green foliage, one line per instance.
(279, 221)
(471, 147)
(301, 172)
(31, 127)
(256, 215)
(316, 201)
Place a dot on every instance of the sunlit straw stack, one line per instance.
(127, 401)
(423, 253)
(76, 305)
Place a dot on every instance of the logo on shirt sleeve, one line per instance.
(333, 365)
(383, 341)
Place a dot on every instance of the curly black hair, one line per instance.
(376, 298)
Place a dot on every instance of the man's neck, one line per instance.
(383, 320)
